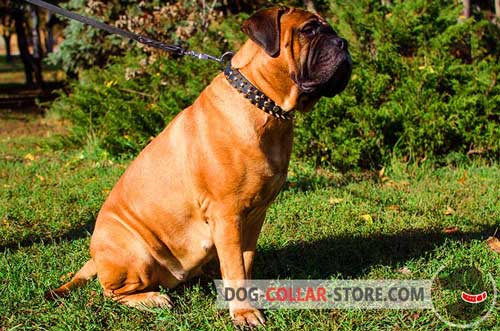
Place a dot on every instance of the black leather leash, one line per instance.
(176, 49)
(233, 75)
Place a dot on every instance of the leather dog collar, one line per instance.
(252, 93)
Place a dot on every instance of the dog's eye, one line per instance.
(310, 29)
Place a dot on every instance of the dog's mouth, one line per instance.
(327, 67)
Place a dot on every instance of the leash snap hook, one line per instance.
(225, 58)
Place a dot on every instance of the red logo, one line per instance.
(474, 298)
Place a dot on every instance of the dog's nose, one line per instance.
(341, 43)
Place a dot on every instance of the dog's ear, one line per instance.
(263, 28)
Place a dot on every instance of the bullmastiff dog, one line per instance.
(201, 188)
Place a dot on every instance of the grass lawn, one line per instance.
(12, 74)
(404, 224)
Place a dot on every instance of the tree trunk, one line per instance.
(22, 43)
(467, 8)
(8, 51)
(497, 11)
(49, 44)
(37, 46)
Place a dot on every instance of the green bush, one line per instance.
(423, 85)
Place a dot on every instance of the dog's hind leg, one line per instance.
(129, 274)
(86, 273)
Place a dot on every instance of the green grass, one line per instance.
(12, 73)
(14, 65)
(317, 228)
(17, 64)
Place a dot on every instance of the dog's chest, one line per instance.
(273, 169)
(268, 186)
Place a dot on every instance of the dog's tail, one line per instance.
(86, 273)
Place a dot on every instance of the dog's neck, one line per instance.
(258, 67)
(250, 121)
(249, 125)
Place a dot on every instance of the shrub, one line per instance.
(423, 85)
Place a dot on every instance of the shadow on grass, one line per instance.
(352, 256)
(83, 231)
(16, 97)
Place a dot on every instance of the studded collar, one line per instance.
(252, 93)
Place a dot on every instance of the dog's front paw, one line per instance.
(249, 317)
